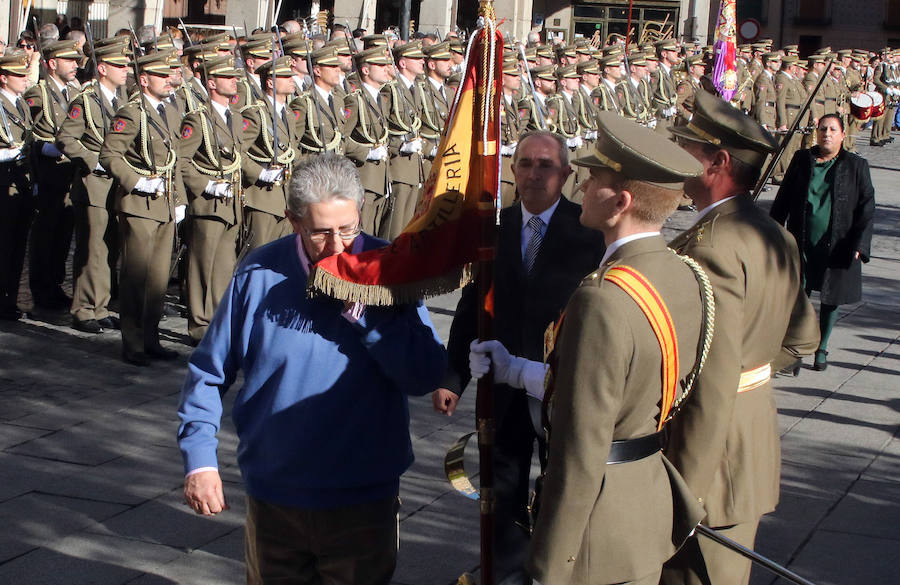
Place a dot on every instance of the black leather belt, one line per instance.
(822, 102)
(770, 104)
(830, 99)
(791, 107)
(629, 450)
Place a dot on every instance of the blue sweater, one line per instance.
(322, 416)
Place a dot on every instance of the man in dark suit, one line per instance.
(543, 252)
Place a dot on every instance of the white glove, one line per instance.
(514, 371)
(652, 123)
(270, 175)
(180, 211)
(8, 154)
(217, 189)
(433, 152)
(411, 146)
(49, 149)
(379, 153)
(575, 142)
(591, 135)
(149, 186)
(508, 149)
(99, 168)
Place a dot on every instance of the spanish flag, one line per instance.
(451, 230)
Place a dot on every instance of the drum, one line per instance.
(877, 104)
(861, 106)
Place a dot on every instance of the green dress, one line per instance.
(817, 247)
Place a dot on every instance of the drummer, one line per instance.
(859, 101)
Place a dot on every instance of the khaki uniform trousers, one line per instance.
(146, 260)
(264, 227)
(373, 213)
(702, 561)
(212, 256)
(881, 128)
(352, 545)
(95, 259)
(853, 126)
(400, 211)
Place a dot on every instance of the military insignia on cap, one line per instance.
(119, 125)
(186, 132)
(75, 112)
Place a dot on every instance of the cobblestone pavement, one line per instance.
(90, 477)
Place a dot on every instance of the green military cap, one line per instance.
(297, 47)
(370, 41)
(325, 57)
(715, 122)
(637, 59)
(201, 51)
(220, 67)
(282, 67)
(585, 49)
(651, 56)
(218, 39)
(694, 60)
(637, 153)
(61, 50)
(115, 54)
(822, 51)
(410, 50)
(457, 46)
(511, 66)
(157, 63)
(531, 54)
(567, 72)
(545, 72)
(789, 60)
(611, 60)
(341, 46)
(759, 46)
(15, 63)
(544, 51)
(117, 40)
(258, 48)
(802, 63)
(772, 56)
(844, 52)
(565, 51)
(744, 47)
(791, 48)
(666, 45)
(377, 55)
(590, 66)
(163, 42)
(437, 51)
(613, 50)
(814, 58)
(767, 42)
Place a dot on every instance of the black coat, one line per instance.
(852, 209)
(524, 305)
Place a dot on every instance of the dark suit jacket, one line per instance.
(524, 305)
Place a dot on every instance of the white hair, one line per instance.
(322, 178)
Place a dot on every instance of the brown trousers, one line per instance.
(264, 227)
(353, 545)
(401, 211)
(212, 255)
(373, 213)
(702, 561)
(146, 259)
(96, 255)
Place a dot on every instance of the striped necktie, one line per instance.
(535, 224)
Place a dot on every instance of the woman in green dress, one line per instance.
(827, 202)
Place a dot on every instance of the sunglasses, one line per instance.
(26, 46)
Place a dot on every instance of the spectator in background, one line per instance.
(27, 43)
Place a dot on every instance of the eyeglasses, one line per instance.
(321, 236)
(26, 46)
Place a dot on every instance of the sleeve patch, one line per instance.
(245, 123)
(186, 132)
(75, 112)
(523, 112)
(296, 115)
(346, 113)
(235, 99)
(30, 101)
(119, 125)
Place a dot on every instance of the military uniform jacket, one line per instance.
(248, 92)
(317, 123)
(633, 105)
(564, 114)
(258, 139)
(791, 96)
(724, 443)
(16, 172)
(404, 125)
(191, 96)
(366, 128)
(817, 107)
(532, 112)
(81, 136)
(48, 110)
(764, 105)
(853, 79)
(664, 94)
(613, 523)
(605, 98)
(585, 112)
(206, 141)
(685, 92)
(434, 112)
(126, 156)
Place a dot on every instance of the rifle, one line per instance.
(137, 78)
(275, 164)
(537, 104)
(316, 105)
(770, 168)
(350, 45)
(752, 555)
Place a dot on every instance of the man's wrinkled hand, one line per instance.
(203, 493)
(444, 401)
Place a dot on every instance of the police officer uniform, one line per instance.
(51, 233)
(211, 150)
(612, 507)
(81, 138)
(16, 199)
(140, 154)
(764, 322)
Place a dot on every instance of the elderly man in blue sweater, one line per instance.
(322, 413)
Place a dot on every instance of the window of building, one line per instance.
(649, 19)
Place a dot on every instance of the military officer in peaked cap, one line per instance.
(256, 51)
(140, 154)
(612, 509)
(724, 442)
(319, 112)
(80, 138)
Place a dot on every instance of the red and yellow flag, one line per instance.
(435, 252)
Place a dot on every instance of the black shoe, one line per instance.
(170, 311)
(690, 207)
(821, 361)
(889, 140)
(10, 314)
(136, 359)
(161, 353)
(87, 325)
(791, 370)
(109, 322)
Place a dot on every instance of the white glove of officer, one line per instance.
(217, 189)
(8, 154)
(433, 152)
(148, 185)
(508, 149)
(270, 175)
(412, 146)
(49, 149)
(514, 371)
(575, 142)
(379, 153)
(180, 212)
(591, 135)
(99, 168)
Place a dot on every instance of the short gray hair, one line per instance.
(322, 178)
(560, 143)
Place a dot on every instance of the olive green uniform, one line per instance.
(854, 83)
(634, 105)
(764, 103)
(665, 97)
(509, 137)
(791, 96)
(407, 168)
